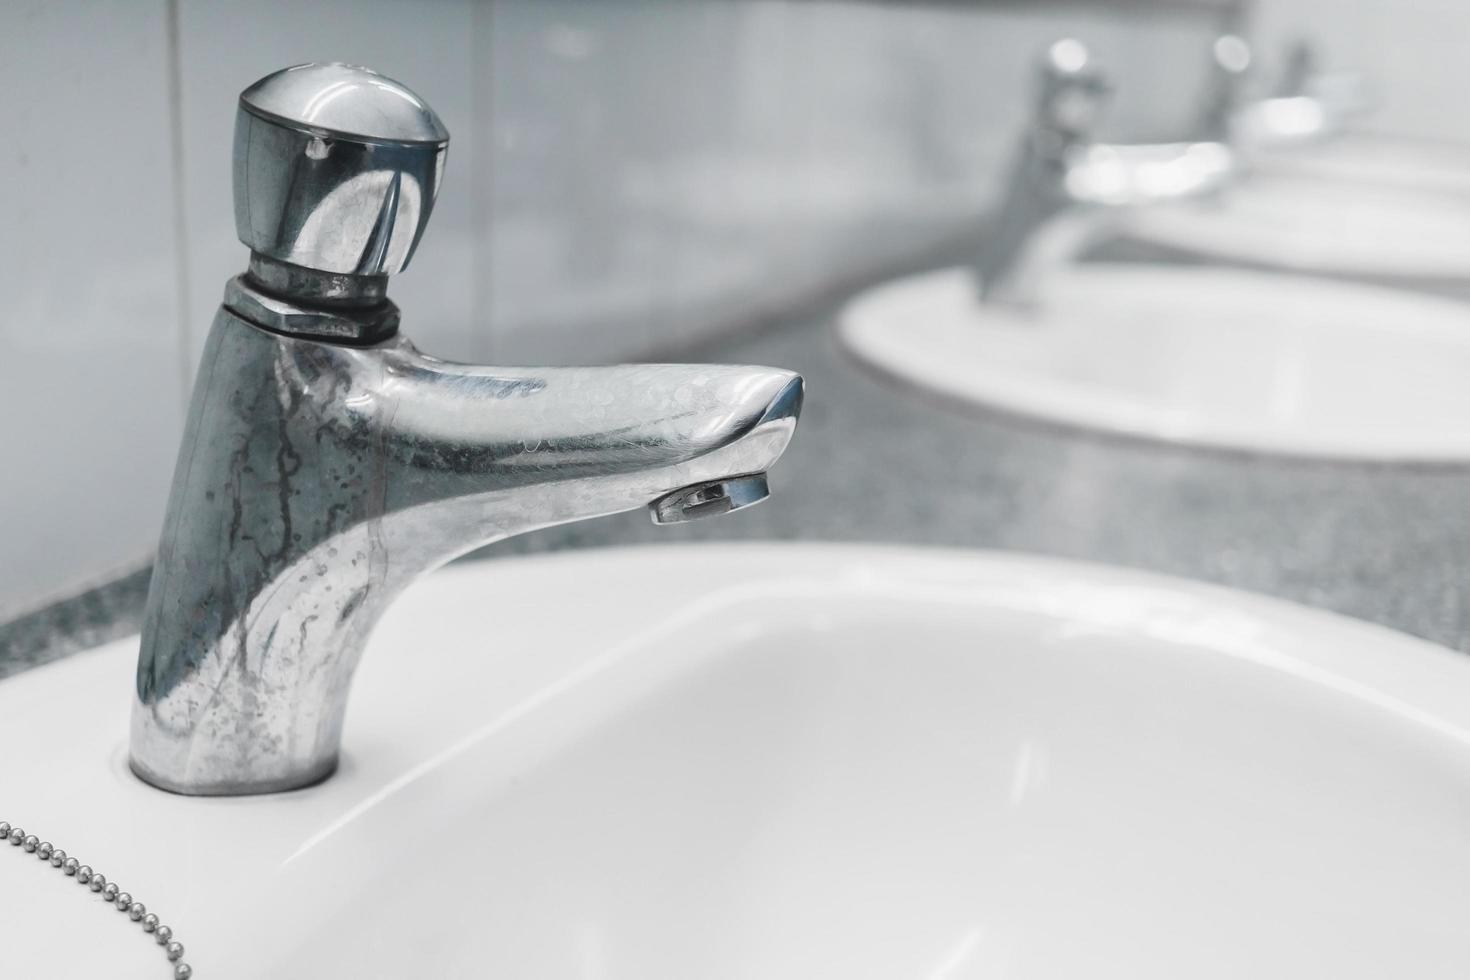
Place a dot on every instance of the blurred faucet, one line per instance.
(1230, 63)
(326, 463)
(1307, 105)
(1067, 191)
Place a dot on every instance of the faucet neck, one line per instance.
(334, 307)
(312, 287)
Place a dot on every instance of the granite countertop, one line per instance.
(875, 462)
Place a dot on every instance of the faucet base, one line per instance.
(303, 780)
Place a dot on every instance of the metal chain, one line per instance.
(84, 875)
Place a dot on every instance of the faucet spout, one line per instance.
(317, 480)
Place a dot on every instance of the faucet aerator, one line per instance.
(711, 499)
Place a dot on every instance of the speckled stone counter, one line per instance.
(874, 462)
(91, 619)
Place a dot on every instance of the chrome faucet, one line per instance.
(327, 463)
(1067, 191)
(1307, 106)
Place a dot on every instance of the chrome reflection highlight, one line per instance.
(336, 169)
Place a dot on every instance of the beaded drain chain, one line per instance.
(84, 875)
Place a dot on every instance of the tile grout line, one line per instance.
(482, 145)
(176, 153)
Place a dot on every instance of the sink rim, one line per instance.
(1238, 230)
(875, 348)
(1370, 160)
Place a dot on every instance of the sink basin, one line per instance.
(771, 761)
(1337, 228)
(1224, 358)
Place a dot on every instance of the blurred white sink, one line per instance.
(791, 762)
(1214, 357)
(1417, 165)
(1325, 227)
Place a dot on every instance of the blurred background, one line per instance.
(655, 180)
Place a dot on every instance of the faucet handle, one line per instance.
(1231, 56)
(1071, 91)
(1301, 64)
(1224, 91)
(336, 169)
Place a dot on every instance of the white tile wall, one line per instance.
(625, 175)
(90, 353)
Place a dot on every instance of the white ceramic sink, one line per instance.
(1362, 158)
(1223, 358)
(1326, 227)
(791, 762)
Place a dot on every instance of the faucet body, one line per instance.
(1067, 191)
(326, 464)
(317, 480)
